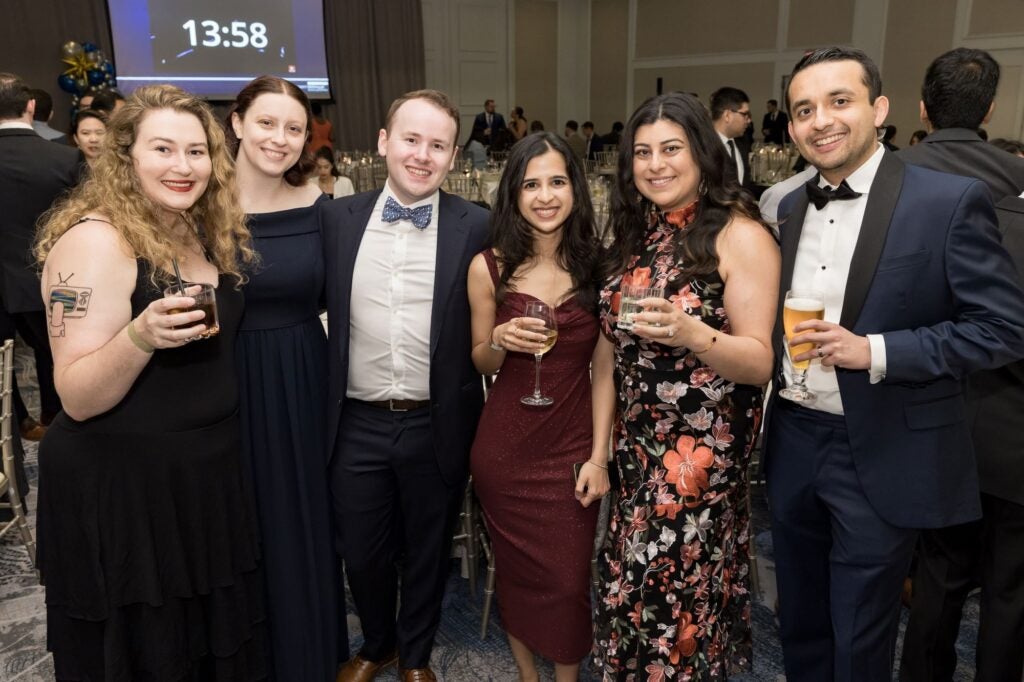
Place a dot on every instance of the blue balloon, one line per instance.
(89, 47)
(96, 76)
(108, 67)
(66, 83)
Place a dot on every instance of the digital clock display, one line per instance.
(241, 34)
(207, 37)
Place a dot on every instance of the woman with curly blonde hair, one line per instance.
(147, 539)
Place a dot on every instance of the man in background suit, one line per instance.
(730, 113)
(958, 96)
(489, 122)
(43, 115)
(918, 293)
(593, 143)
(404, 395)
(774, 124)
(33, 173)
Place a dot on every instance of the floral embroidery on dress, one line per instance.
(674, 569)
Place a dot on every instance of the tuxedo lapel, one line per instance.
(352, 231)
(885, 192)
(451, 243)
(790, 230)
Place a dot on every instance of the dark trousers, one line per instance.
(395, 515)
(839, 566)
(8, 330)
(950, 562)
(33, 330)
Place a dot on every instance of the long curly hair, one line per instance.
(113, 189)
(720, 196)
(512, 237)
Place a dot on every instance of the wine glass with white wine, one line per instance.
(541, 311)
(800, 306)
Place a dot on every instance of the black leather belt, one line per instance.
(394, 405)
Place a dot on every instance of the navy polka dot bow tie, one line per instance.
(394, 211)
(820, 196)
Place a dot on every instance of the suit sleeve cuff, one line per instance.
(877, 370)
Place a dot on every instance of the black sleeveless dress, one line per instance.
(148, 541)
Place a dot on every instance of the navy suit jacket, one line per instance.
(456, 392)
(929, 274)
(497, 123)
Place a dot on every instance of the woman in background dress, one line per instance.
(282, 366)
(674, 598)
(545, 248)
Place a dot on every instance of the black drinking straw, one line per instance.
(177, 276)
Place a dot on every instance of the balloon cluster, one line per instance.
(88, 70)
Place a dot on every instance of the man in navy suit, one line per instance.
(918, 293)
(404, 395)
(489, 122)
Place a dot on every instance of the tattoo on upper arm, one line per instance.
(66, 301)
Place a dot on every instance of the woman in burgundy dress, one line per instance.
(542, 530)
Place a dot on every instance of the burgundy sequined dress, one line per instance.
(674, 569)
(522, 473)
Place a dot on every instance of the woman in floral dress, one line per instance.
(675, 581)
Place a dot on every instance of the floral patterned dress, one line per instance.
(674, 569)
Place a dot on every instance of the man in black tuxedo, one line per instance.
(33, 173)
(730, 113)
(775, 123)
(404, 395)
(918, 294)
(593, 142)
(489, 122)
(957, 97)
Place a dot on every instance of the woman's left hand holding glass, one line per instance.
(665, 323)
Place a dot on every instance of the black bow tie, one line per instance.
(820, 196)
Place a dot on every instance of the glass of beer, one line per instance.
(800, 306)
(541, 311)
(206, 300)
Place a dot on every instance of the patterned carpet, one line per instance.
(460, 655)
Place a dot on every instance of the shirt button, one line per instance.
(830, 220)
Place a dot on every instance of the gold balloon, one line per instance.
(70, 49)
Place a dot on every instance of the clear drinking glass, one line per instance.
(628, 303)
(541, 311)
(800, 306)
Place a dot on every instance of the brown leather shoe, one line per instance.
(418, 675)
(359, 669)
(31, 429)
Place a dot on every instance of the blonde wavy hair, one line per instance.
(112, 187)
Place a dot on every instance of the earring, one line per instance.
(702, 188)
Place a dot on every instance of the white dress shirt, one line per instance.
(392, 298)
(739, 162)
(822, 264)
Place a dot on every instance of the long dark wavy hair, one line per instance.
(720, 196)
(512, 237)
(297, 175)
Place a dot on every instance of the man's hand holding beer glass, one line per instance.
(833, 345)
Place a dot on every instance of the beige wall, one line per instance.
(536, 60)
(676, 27)
(813, 23)
(608, 62)
(996, 17)
(754, 79)
(909, 48)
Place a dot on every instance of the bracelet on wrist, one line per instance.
(602, 466)
(139, 342)
(495, 346)
(711, 344)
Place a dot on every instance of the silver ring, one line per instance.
(821, 352)
(671, 332)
